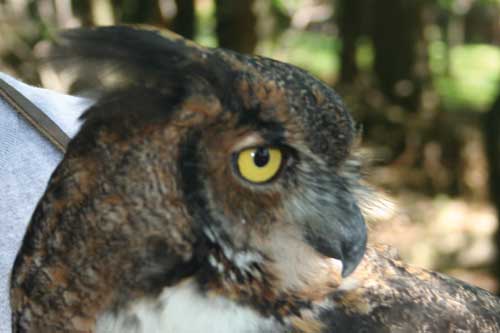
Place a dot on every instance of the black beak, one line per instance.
(342, 236)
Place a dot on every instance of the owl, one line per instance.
(209, 191)
(206, 191)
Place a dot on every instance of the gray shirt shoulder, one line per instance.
(27, 160)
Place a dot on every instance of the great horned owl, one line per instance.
(207, 191)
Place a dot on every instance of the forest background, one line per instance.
(421, 78)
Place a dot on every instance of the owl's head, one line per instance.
(211, 157)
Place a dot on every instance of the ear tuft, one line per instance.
(107, 58)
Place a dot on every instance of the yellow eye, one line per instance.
(259, 164)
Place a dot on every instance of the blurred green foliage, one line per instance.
(312, 51)
(473, 78)
(206, 24)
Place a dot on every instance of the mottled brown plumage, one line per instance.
(148, 226)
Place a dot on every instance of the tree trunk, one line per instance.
(236, 22)
(350, 16)
(492, 147)
(398, 41)
(139, 11)
(185, 20)
(94, 12)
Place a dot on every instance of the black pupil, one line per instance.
(261, 156)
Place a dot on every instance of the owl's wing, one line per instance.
(385, 295)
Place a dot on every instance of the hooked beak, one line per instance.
(342, 237)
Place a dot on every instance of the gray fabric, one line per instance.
(26, 162)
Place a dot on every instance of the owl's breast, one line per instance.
(184, 308)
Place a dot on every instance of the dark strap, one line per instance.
(36, 117)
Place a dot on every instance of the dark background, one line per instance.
(420, 76)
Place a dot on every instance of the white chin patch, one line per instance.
(183, 309)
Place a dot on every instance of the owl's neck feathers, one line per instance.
(282, 284)
(250, 285)
(242, 260)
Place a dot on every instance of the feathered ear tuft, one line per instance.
(107, 58)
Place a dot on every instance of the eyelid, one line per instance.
(250, 140)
